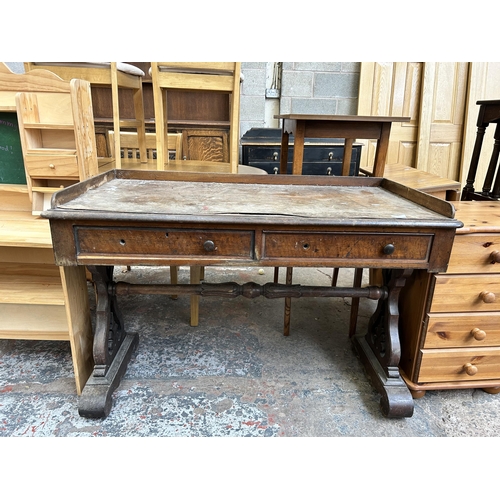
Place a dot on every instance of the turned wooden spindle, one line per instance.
(488, 297)
(470, 369)
(478, 334)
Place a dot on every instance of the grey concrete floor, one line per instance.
(233, 375)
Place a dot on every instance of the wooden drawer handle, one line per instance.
(209, 246)
(389, 249)
(470, 369)
(495, 256)
(478, 334)
(51, 165)
(488, 297)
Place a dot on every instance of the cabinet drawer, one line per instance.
(60, 166)
(463, 330)
(308, 168)
(318, 159)
(475, 253)
(449, 365)
(303, 245)
(462, 293)
(164, 242)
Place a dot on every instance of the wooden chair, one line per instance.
(489, 112)
(221, 77)
(107, 74)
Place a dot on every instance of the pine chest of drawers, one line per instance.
(261, 147)
(450, 322)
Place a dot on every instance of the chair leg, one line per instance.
(335, 276)
(141, 126)
(358, 277)
(174, 276)
(116, 115)
(276, 274)
(195, 274)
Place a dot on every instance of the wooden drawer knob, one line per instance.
(470, 369)
(209, 246)
(495, 256)
(488, 297)
(389, 249)
(478, 334)
(51, 165)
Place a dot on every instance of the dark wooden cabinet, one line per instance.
(261, 147)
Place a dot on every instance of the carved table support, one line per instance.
(380, 350)
(112, 350)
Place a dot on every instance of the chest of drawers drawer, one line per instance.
(461, 293)
(475, 253)
(455, 365)
(467, 329)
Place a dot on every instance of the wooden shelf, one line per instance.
(33, 322)
(49, 126)
(52, 151)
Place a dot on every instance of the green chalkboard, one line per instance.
(11, 154)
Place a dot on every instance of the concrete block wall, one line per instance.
(306, 87)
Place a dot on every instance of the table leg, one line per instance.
(284, 152)
(113, 348)
(380, 350)
(382, 149)
(298, 148)
(346, 160)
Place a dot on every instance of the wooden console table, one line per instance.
(125, 217)
(349, 127)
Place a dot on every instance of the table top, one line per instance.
(419, 179)
(343, 118)
(298, 200)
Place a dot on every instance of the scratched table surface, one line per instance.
(137, 197)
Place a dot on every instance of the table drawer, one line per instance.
(164, 241)
(475, 253)
(352, 245)
(463, 293)
(463, 330)
(60, 166)
(450, 365)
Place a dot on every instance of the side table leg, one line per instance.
(112, 350)
(380, 350)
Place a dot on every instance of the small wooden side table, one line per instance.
(349, 127)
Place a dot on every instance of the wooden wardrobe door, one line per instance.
(392, 89)
(442, 116)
